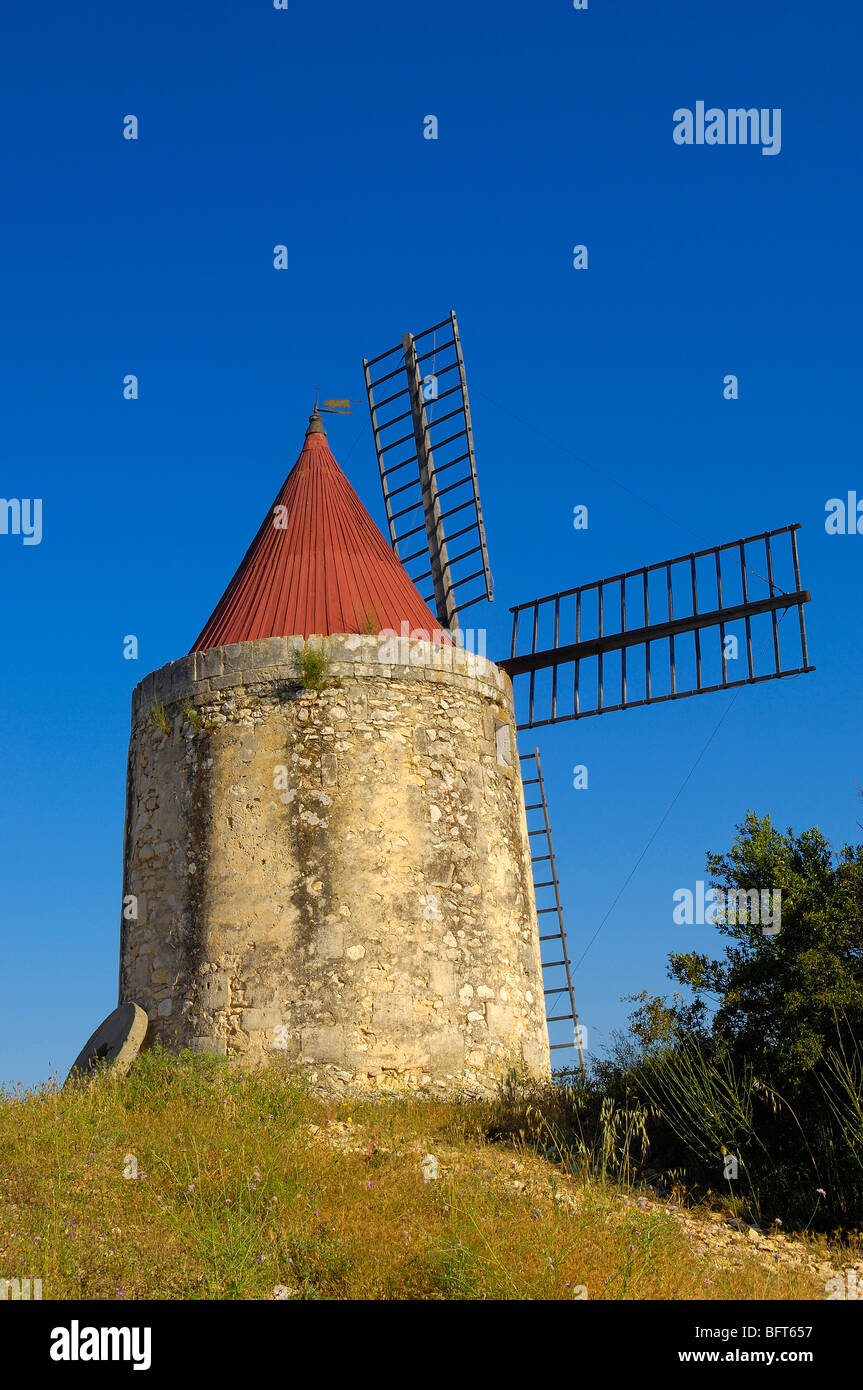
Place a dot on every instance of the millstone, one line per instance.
(115, 1043)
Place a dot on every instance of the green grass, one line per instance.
(159, 717)
(799, 1157)
(191, 715)
(312, 669)
(251, 1187)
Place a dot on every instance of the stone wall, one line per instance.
(337, 878)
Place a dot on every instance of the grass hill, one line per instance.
(187, 1180)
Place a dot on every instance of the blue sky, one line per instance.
(305, 127)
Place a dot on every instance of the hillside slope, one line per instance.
(187, 1181)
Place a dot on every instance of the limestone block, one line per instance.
(439, 869)
(238, 658)
(323, 1044)
(330, 940)
(214, 991)
(500, 1019)
(208, 664)
(442, 978)
(219, 1046)
(392, 1011)
(270, 651)
(255, 1020)
(449, 1048)
(247, 747)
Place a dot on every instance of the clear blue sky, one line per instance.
(304, 127)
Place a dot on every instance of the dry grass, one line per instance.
(250, 1187)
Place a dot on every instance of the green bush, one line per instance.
(312, 668)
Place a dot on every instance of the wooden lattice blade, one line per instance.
(420, 415)
(623, 641)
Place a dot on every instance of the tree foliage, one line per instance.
(781, 1000)
(760, 1056)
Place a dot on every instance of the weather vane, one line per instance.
(334, 407)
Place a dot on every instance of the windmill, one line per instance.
(641, 637)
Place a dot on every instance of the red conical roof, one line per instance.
(318, 564)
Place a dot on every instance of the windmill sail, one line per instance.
(705, 621)
(562, 1019)
(424, 444)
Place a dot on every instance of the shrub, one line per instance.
(312, 668)
(159, 717)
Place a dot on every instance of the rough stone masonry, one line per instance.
(337, 878)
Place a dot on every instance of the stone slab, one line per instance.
(115, 1043)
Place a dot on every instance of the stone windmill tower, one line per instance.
(325, 838)
(327, 853)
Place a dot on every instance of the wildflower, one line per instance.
(551, 1266)
(535, 1215)
(708, 1281)
(777, 1221)
(317, 1213)
(369, 1184)
(642, 1202)
(259, 1260)
(191, 1187)
(821, 1192)
(631, 1247)
(699, 1249)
